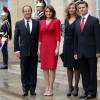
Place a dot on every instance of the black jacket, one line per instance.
(25, 42)
(87, 43)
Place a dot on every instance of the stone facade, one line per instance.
(15, 7)
(61, 4)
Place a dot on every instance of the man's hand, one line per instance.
(56, 51)
(18, 54)
(75, 56)
(97, 55)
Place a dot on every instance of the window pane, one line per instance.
(99, 14)
(98, 4)
(98, 8)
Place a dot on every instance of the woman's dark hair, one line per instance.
(67, 15)
(51, 8)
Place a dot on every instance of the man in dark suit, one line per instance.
(26, 47)
(87, 49)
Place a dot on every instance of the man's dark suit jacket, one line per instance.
(28, 43)
(87, 43)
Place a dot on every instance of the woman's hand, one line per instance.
(39, 48)
(56, 51)
(38, 51)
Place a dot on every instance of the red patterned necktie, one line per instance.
(82, 24)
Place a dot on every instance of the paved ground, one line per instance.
(10, 89)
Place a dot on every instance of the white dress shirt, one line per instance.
(85, 18)
(30, 23)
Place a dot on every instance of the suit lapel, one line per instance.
(86, 23)
(23, 25)
(79, 26)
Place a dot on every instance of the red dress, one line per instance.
(48, 37)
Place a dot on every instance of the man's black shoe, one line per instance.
(4, 67)
(89, 96)
(83, 96)
(32, 93)
(25, 93)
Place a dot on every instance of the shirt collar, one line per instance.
(30, 20)
(86, 16)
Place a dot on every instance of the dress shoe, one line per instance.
(83, 96)
(70, 91)
(50, 92)
(25, 93)
(89, 96)
(46, 92)
(4, 67)
(32, 93)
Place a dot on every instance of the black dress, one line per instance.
(68, 47)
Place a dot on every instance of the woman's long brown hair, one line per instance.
(67, 15)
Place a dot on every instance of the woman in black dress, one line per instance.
(68, 49)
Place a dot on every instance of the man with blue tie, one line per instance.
(26, 47)
(87, 49)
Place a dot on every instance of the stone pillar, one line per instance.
(59, 6)
(15, 7)
(68, 1)
(21, 3)
(92, 7)
(12, 5)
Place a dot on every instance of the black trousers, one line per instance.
(29, 72)
(5, 54)
(88, 69)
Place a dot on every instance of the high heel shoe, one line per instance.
(75, 91)
(70, 91)
(50, 92)
(46, 92)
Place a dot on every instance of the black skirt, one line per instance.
(68, 58)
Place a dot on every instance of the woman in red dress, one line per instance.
(49, 39)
